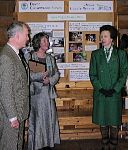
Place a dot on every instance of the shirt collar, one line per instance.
(110, 49)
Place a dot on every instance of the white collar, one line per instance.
(110, 53)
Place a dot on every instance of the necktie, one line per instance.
(107, 52)
(21, 55)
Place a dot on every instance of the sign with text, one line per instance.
(90, 6)
(79, 75)
(73, 65)
(86, 26)
(66, 17)
(41, 6)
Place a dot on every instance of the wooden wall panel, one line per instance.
(7, 8)
(5, 21)
(6, 17)
(122, 12)
(123, 21)
(3, 38)
(122, 7)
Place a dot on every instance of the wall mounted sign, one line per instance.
(41, 6)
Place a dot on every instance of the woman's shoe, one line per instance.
(47, 148)
(105, 147)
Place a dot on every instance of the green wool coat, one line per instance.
(108, 75)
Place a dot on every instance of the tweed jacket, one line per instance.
(14, 88)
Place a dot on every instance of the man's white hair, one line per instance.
(14, 28)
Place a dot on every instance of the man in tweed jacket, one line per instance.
(14, 89)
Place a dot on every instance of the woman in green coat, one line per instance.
(108, 72)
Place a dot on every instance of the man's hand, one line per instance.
(15, 124)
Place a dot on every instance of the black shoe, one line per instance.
(47, 148)
(105, 147)
(113, 147)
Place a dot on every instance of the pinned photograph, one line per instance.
(75, 36)
(79, 57)
(58, 42)
(90, 38)
(60, 58)
(75, 47)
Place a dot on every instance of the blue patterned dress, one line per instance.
(43, 121)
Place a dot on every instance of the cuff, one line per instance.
(13, 119)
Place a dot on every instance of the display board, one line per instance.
(73, 28)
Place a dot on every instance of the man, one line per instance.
(14, 89)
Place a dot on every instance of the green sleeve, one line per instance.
(123, 71)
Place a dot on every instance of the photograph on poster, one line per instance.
(60, 58)
(75, 47)
(90, 38)
(79, 57)
(59, 54)
(75, 36)
(58, 42)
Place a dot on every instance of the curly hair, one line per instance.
(37, 40)
(113, 31)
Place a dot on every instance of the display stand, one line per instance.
(73, 28)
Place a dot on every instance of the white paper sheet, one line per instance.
(90, 47)
(73, 65)
(41, 6)
(62, 17)
(86, 26)
(79, 75)
(90, 6)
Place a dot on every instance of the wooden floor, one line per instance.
(87, 145)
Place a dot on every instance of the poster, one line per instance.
(41, 6)
(73, 65)
(79, 75)
(37, 27)
(86, 26)
(90, 6)
(66, 17)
